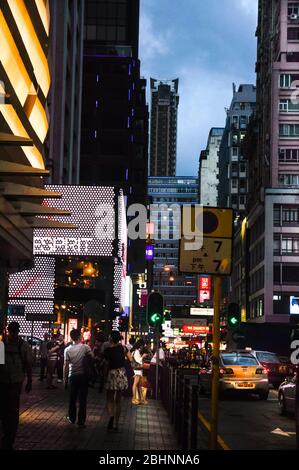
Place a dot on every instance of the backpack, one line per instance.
(20, 355)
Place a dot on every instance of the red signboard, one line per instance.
(195, 329)
(204, 288)
(205, 283)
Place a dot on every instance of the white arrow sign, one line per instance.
(280, 432)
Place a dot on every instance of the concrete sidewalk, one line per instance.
(43, 424)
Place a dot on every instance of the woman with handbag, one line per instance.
(137, 364)
(117, 382)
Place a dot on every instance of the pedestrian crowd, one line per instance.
(110, 365)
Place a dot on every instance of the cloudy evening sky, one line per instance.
(207, 44)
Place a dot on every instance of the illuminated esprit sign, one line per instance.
(69, 246)
(94, 210)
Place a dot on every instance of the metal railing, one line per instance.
(180, 397)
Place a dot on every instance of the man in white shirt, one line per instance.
(75, 374)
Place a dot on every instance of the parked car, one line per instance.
(239, 371)
(287, 395)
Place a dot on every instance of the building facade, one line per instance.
(114, 145)
(66, 65)
(164, 116)
(208, 175)
(24, 86)
(272, 152)
(233, 171)
(177, 289)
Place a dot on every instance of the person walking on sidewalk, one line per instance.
(18, 362)
(53, 348)
(43, 356)
(137, 364)
(60, 359)
(117, 381)
(74, 373)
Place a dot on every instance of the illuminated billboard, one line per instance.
(93, 211)
(96, 211)
(294, 305)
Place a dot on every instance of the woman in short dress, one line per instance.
(117, 381)
(137, 364)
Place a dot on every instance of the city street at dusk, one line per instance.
(149, 231)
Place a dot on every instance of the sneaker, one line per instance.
(69, 420)
(59, 381)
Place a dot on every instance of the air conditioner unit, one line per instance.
(293, 17)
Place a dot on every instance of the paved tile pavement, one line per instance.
(43, 424)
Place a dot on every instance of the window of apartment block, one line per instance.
(283, 105)
(235, 139)
(286, 80)
(234, 200)
(243, 122)
(293, 34)
(276, 274)
(292, 56)
(289, 245)
(276, 245)
(293, 8)
(242, 168)
(242, 200)
(288, 180)
(234, 169)
(290, 274)
(234, 183)
(288, 106)
(235, 121)
(290, 215)
(289, 130)
(281, 303)
(289, 155)
(276, 216)
(235, 151)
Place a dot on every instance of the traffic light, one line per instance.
(155, 309)
(233, 316)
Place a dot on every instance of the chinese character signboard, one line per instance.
(211, 249)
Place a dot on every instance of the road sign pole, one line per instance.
(215, 370)
(157, 360)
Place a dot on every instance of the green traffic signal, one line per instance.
(233, 321)
(233, 315)
(156, 318)
(155, 309)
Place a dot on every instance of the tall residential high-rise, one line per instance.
(114, 143)
(233, 171)
(164, 116)
(178, 289)
(273, 155)
(66, 65)
(208, 173)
